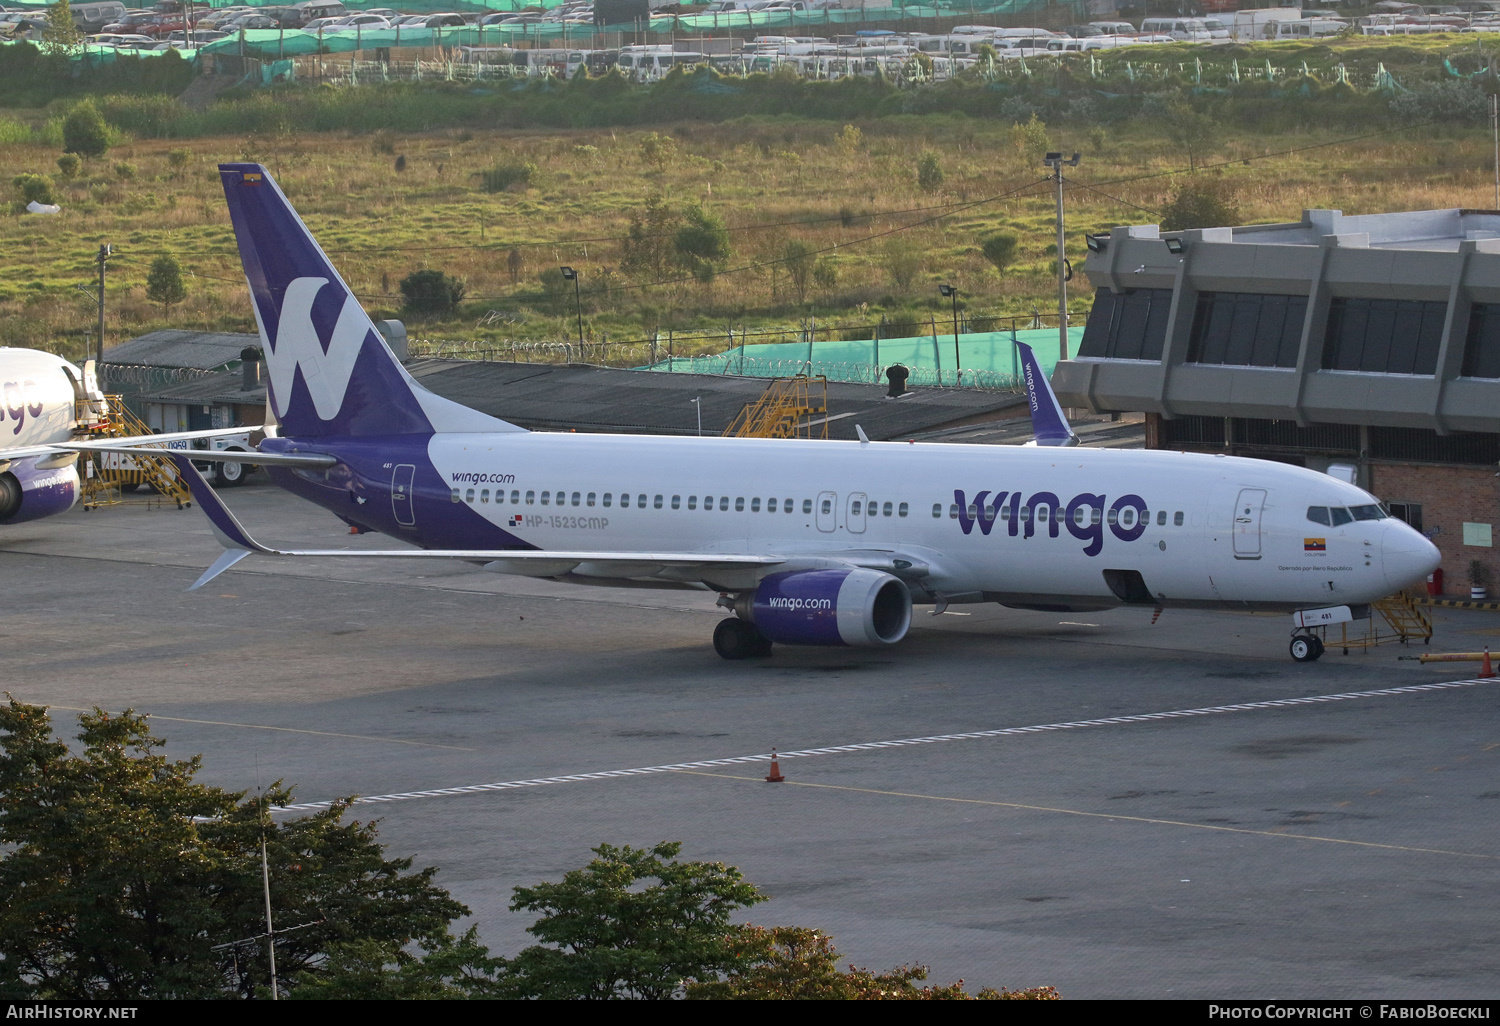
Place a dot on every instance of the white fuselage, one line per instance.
(36, 398)
(1198, 530)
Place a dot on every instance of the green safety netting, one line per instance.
(985, 359)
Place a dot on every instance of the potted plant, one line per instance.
(1478, 574)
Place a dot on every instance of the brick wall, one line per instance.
(1450, 497)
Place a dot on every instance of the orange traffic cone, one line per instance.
(774, 777)
(1485, 670)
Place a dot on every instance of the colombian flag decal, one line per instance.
(1314, 545)
(252, 177)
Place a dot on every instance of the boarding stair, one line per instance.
(1395, 618)
(786, 410)
(108, 477)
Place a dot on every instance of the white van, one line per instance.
(1307, 28)
(1184, 30)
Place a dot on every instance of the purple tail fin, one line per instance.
(1048, 424)
(330, 372)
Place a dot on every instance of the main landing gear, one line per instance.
(736, 639)
(1306, 648)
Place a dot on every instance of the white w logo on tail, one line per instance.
(297, 345)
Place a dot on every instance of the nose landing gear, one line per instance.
(1306, 648)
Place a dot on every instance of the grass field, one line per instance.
(851, 194)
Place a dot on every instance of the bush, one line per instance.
(125, 172)
(34, 188)
(930, 172)
(903, 261)
(430, 294)
(702, 243)
(799, 259)
(1200, 205)
(178, 159)
(68, 165)
(499, 179)
(1463, 102)
(1000, 250)
(84, 131)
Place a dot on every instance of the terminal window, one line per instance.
(1482, 347)
(1383, 336)
(1243, 329)
(1128, 326)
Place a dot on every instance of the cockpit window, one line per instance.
(1367, 512)
(1341, 516)
(1318, 515)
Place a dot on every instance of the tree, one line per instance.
(61, 35)
(1200, 205)
(606, 935)
(903, 262)
(68, 165)
(930, 171)
(84, 131)
(122, 872)
(702, 243)
(1000, 250)
(164, 282)
(1030, 140)
(365, 970)
(799, 259)
(430, 294)
(1195, 132)
(647, 249)
(790, 963)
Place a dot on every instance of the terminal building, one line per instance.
(1368, 341)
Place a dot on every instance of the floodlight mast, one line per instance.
(1056, 162)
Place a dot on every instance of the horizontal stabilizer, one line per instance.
(233, 536)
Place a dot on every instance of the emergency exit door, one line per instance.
(1247, 510)
(401, 488)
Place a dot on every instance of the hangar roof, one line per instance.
(200, 350)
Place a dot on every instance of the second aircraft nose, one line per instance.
(1407, 556)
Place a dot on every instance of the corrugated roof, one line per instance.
(223, 387)
(606, 399)
(201, 350)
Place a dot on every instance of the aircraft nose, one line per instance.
(1407, 556)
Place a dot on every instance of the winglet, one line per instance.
(1048, 424)
(226, 528)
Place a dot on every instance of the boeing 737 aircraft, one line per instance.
(806, 542)
(38, 400)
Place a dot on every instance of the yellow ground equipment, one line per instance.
(1397, 617)
(107, 476)
(786, 410)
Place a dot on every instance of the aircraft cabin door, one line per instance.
(828, 511)
(402, 480)
(855, 518)
(1247, 510)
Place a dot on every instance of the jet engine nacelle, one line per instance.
(831, 607)
(28, 492)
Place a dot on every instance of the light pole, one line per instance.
(571, 275)
(1056, 162)
(952, 293)
(699, 407)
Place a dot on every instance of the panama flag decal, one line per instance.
(1314, 545)
(515, 520)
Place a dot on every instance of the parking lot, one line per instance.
(1253, 844)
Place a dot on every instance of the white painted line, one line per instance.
(866, 746)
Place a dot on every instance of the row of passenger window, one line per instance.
(1084, 514)
(871, 507)
(1338, 516)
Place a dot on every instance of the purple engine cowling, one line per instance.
(831, 607)
(28, 492)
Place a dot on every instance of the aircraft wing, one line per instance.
(537, 563)
(126, 444)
